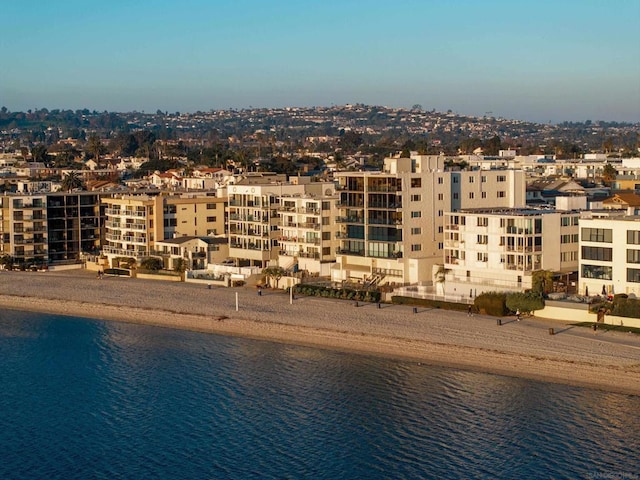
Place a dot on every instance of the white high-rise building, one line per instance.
(391, 223)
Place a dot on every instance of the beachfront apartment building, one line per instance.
(23, 229)
(391, 222)
(50, 228)
(277, 223)
(75, 224)
(609, 254)
(134, 223)
(500, 248)
(307, 239)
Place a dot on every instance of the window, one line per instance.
(597, 271)
(416, 198)
(440, 246)
(416, 247)
(440, 213)
(633, 275)
(482, 221)
(483, 179)
(416, 231)
(440, 181)
(633, 237)
(211, 206)
(502, 178)
(211, 219)
(484, 194)
(501, 194)
(326, 235)
(565, 221)
(416, 182)
(597, 253)
(472, 179)
(483, 239)
(471, 195)
(633, 256)
(440, 229)
(483, 257)
(441, 196)
(455, 179)
(455, 196)
(597, 235)
(416, 214)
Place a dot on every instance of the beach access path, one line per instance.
(574, 355)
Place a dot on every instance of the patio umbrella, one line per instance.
(604, 289)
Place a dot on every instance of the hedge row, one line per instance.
(622, 306)
(425, 302)
(116, 271)
(341, 293)
(492, 303)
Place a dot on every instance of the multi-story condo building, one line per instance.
(23, 229)
(258, 222)
(74, 225)
(308, 230)
(44, 229)
(499, 249)
(391, 223)
(135, 222)
(609, 254)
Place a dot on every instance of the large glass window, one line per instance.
(633, 237)
(633, 275)
(633, 256)
(597, 271)
(597, 235)
(597, 253)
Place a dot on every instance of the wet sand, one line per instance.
(577, 356)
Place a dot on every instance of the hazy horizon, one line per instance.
(546, 62)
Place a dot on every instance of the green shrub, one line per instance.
(340, 293)
(626, 307)
(525, 302)
(492, 303)
(425, 302)
(116, 271)
(151, 264)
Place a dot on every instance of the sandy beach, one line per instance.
(577, 356)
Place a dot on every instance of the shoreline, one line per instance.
(445, 338)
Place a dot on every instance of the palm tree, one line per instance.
(274, 272)
(71, 181)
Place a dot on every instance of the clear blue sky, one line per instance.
(539, 60)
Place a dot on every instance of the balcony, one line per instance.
(357, 220)
(309, 225)
(385, 221)
(313, 255)
(125, 253)
(384, 188)
(358, 253)
(385, 206)
(125, 213)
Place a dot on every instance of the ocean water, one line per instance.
(87, 399)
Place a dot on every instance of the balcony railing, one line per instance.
(125, 253)
(311, 225)
(358, 220)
